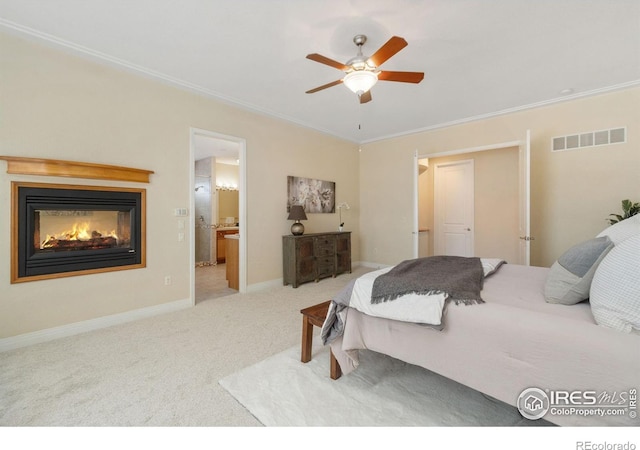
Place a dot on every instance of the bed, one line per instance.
(583, 355)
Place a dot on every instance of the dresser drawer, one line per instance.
(321, 252)
(325, 268)
(325, 246)
(326, 261)
(325, 240)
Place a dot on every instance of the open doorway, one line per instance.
(218, 209)
(496, 193)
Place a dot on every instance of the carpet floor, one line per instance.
(159, 371)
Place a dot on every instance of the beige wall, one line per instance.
(572, 192)
(59, 106)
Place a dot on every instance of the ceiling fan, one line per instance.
(362, 72)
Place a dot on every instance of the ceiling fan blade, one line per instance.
(324, 86)
(328, 61)
(365, 97)
(390, 48)
(403, 77)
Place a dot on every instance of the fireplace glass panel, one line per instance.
(80, 230)
(61, 230)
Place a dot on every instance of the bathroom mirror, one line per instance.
(228, 205)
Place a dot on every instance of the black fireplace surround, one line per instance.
(65, 230)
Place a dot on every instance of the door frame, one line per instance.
(525, 199)
(524, 169)
(242, 212)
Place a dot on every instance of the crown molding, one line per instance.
(591, 93)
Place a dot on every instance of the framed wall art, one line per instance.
(315, 196)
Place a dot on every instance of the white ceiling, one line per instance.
(480, 57)
(225, 151)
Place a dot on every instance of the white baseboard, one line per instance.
(36, 337)
(256, 287)
(372, 265)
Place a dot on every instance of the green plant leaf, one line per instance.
(629, 209)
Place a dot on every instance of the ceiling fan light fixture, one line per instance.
(362, 73)
(360, 81)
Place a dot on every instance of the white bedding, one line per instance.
(515, 340)
(426, 309)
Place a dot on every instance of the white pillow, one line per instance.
(622, 230)
(615, 289)
(569, 279)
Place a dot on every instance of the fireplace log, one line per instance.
(89, 244)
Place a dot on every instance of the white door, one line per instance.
(525, 200)
(454, 208)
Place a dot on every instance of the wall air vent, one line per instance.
(590, 139)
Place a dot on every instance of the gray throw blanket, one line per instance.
(450, 280)
(461, 278)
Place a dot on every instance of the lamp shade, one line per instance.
(296, 212)
(360, 81)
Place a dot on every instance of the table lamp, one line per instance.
(296, 212)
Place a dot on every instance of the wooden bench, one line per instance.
(315, 315)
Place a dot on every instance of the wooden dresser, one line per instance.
(313, 256)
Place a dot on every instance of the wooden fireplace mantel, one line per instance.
(59, 168)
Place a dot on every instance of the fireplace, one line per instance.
(66, 230)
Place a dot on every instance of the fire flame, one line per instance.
(78, 232)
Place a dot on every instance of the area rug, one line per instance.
(281, 391)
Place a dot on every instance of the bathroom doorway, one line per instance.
(218, 210)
